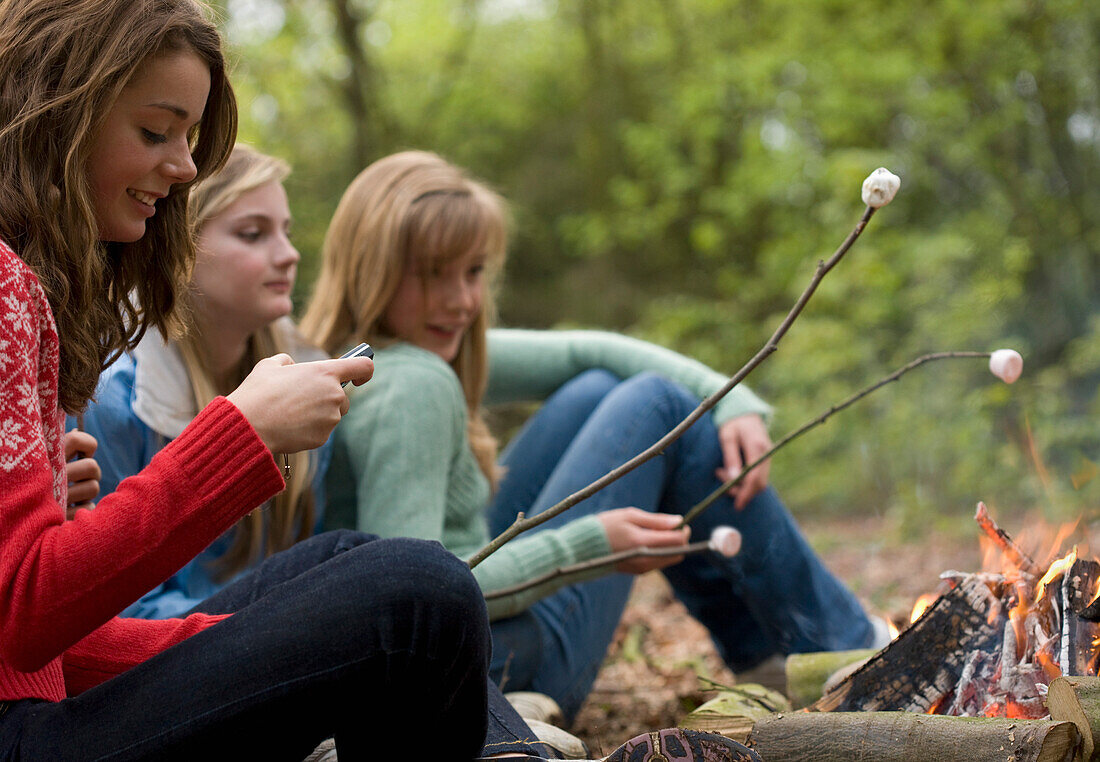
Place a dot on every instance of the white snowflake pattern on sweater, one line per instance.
(31, 421)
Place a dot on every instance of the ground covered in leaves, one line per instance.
(662, 661)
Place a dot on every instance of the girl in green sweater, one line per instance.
(409, 262)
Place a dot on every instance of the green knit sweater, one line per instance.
(402, 464)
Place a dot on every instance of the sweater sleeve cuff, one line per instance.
(741, 401)
(586, 537)
(221, 443)
(531, 557)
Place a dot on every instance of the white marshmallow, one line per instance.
(1006, 364)
(725, 540)
(880, 187)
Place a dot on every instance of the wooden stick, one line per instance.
(903, 737)
(1077, 699)
(523, 523)
(1004, 542)
(609, 560)
(723, 540)
(706, 502)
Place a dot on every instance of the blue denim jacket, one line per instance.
(127, 444)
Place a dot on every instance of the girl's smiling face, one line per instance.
(143, 149)
(247, 264)
(435, 304)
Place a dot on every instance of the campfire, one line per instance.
(990, 644)
(999, 666)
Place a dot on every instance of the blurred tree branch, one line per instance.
(371, 126)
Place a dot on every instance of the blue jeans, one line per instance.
(775, 596)
(383, 644)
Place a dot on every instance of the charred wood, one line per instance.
(1079, 631)
(922, 667)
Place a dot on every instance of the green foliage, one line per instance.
(677, 167)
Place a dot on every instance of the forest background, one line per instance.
(677, 167)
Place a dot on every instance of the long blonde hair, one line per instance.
(63, 64)
(292, 512)
(409, 207)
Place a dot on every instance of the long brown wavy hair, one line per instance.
(63, 64)
(291, 515)
(410, 206)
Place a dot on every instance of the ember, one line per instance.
(990, 643)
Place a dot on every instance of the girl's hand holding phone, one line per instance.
(294, 406)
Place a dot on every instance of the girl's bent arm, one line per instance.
(530, 364)
(60, 580)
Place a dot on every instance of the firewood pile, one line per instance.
(989, 646)
(1001, 666)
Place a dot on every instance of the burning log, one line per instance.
(902, 737)
(1079, 629)
(1091, 612)
(989, 646)
(1077, 699)
(923, 666)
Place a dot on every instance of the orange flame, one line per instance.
(1060, 566)
(921, 606)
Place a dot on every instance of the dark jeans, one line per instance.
(383, 644)
(774, 597)
(506, 731)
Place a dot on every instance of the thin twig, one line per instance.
(522, 523)
(596, 563)
(705, 503)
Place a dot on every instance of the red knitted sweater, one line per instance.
(62, 583)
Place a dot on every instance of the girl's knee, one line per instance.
(340, 540)
(652, 383)
(591, 384)
(648, 388)
(421, 570)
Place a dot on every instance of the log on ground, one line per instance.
(903, 737)
(1077, 699)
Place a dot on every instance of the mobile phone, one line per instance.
(363, 350)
